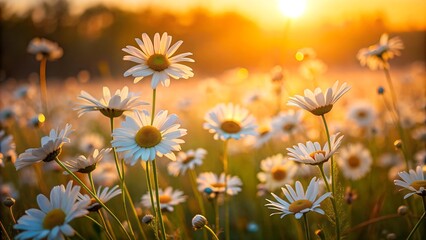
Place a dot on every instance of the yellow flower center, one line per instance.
(418, 184)
(263, 131)
(312, 155)
(188, 159)
(279, 173)
(354, 161)
(158, 62)
(218, 185)
(361, 114)
(230, 126)
(322, 110)
(288, 127)
(299, 205)
(54, 218)
(165, 199)
(148, 136)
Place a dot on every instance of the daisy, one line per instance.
(86, 165)
(37, 121)
(264, 133)
(317, 102)
(288, 123)
(362, 113)
(53, 218)
(90, 141)
(7, 148)
(168, 199)
(355, 161)
(139, 140)
(51, 147)
(298, 202)
(216, 184)
(276, 171)
(186, 160)
(229, 121)
(110, 106)
(105, 174)
(311, 69)
(156, 59)
(104, 195)
(44, 48)
(378, 55)
(414, 181)
(312, 153)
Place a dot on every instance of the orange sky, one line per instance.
(400, 14)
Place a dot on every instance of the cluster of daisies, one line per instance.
(144, 136)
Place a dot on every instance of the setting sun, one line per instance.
(292, 8)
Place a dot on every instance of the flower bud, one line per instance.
(398, 144)
(9, 202)
(199, 221)
(380, 90)
(147, 219)
(402, 210)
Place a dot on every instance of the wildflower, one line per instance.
(51, 147)
(402, 210)
(9, 202)
(156, 59)
(317, 102)
(147, 219)
(90, 141)
(83, 164)
(44, 48)
(7, 148)
(355, 161)
(414, 181)
(104, 195)
(216, 184)
(168, 199)
(362, 113)
(298, 202)
(110, 106)
(105, 174)
(229, 121)
(312, 153)
(186, 160)
(199, 221)
(138, 139)
(311, 69)
(378, 55)
(288, 123)
(276, 171)
(264, 133)
(53, 218)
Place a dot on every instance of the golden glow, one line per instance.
(41, 118)
(299, 56)
(292, 8)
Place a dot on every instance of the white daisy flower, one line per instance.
(288, 123)
(83, 164)
(355, 161)
(53, 219)
(104, 195)
(139, 140)
(90, 141)
(186, 160)
(276, 171)
(378, 55)
(44, 48)
(264, 134)
(362, 113)
(105, 174)
(110, 106)
(229, 121)
(155, 58)
(311, 69)
(413, 181)
(51, 147)
(168, 199)
(216, 184)
(312, 153)
(298, 202)
(318, 102)
(7, 148)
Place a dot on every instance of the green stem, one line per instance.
(392, 90)
(193, 180)
(157, 200)
(79, 235)
(107, 230)
(93, 195)
(121, 176)
(11, 215)
(4, 230)
(416, 226)
(225, 169)
(334, 175)
(305, 220)
(135, 214)
(211, 231)
(99, 225)
(216, 214)
(151, 197)
(154, 97)
(43, 85)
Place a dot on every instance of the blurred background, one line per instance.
(221, 34)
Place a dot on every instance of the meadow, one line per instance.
(84, 157)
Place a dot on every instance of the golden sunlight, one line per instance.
(292, 8)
